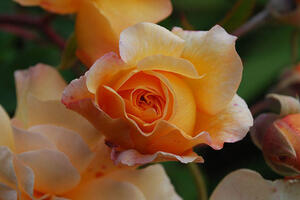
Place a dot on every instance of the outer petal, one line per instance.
(214, 55)
(146, 39)
(41, 81)
(55, 113)
(53, 171)
(94, 33)
(8, 193)
(249, 185)
(68, 142)
(56, 6)
(106, 189)
(152, 181)
(125, 13)
(6, 134)
(230, 125)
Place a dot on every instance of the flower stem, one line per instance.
(200, 183)
(253, 23)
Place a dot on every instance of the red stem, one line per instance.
(40, 24)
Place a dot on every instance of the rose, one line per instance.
(50, 152)
(169, 92)
(100, 22)
(247, 184)
(277, 135)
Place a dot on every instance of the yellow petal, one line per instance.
(53, 171)
(6, 134)
(56, 6)
(68, 142)
(214, 56)
(41, 81)
(169, 64)
(230, 125)
(106, 189)
(152, 181)
(94, 33)
(125, 13)
(147, 39)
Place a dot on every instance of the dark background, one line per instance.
(265, 52)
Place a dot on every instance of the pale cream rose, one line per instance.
(49, 152)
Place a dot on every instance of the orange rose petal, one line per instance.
(213, 54)
(230, 125)
(6, 136)
(56, 6)
(104, 71)
(53, 171)
(169, 64)
(124, 13)
(146, 39)
(132, 157)
(94, 33)
(7, 192)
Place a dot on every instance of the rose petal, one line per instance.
(68, 142)
(169, 64)
(6, 135)
(7, 172)
(56, 6)
(41, 81)
(106, 189)
(146, 39)
(7, 193)
(53, 171)
(230, 125)
(104, 70)
(55, 113)
(213, 54)
(134, 11)
(94, 33)
(148, 180)
(288, 105)
(249, 185)
(132, 157)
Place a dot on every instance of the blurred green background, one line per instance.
(265, 52)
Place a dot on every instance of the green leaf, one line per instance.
(69, 58)
(239, 13)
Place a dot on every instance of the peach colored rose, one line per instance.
(49, 152)
(246, 184)
(169, 92)
(278, 136)
(100, 22)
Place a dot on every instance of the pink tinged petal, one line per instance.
(53, 171)
(7, 193)
(146, 39)
(41, 81)
(29, 141)
(68, 142)
(107, 189)
(103, 71)
(243, 185)
(7, 172)
(230, 125)
(169, 64)
(55, 113)
(132, 157)
(213, 54)
(28, 2)
(152, 181)
(6, 134)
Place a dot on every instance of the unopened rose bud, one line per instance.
(278, 136)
